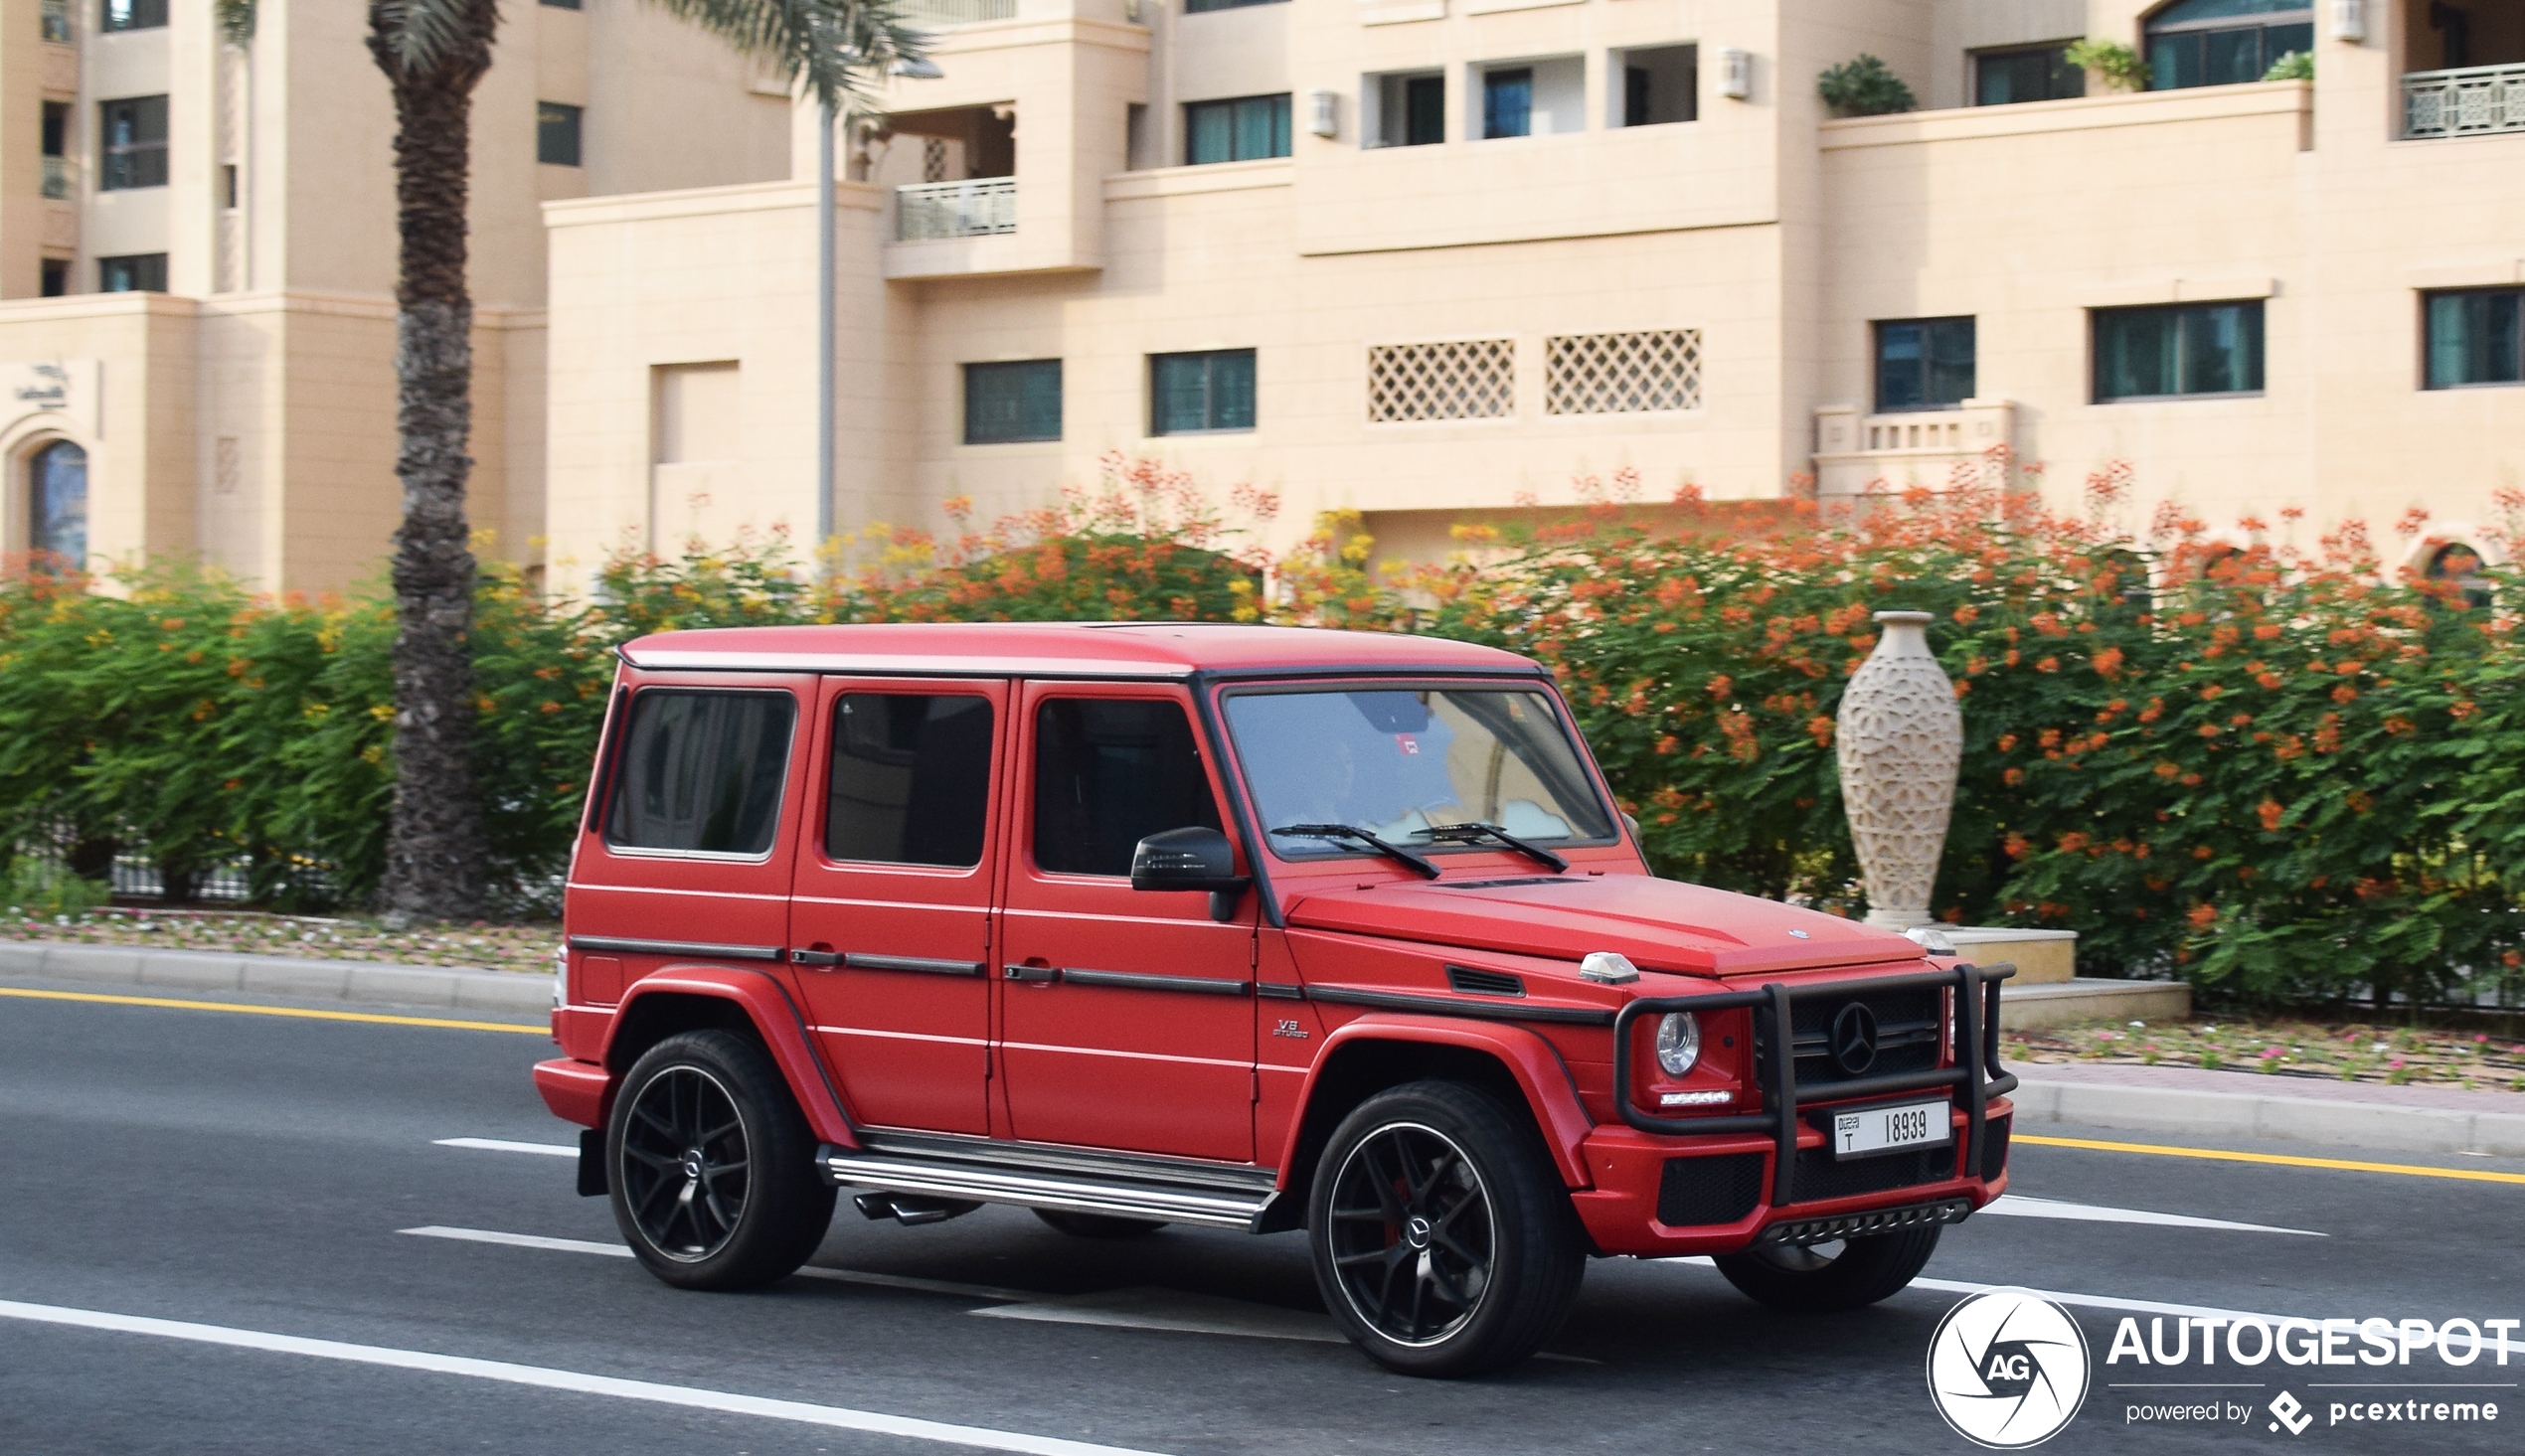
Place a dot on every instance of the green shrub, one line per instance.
(1865, 87)
(2119, 66)
(42, 891)
(2292, 66)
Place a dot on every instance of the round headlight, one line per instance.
(1678, 1042)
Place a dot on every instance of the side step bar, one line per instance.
(1067, 1189)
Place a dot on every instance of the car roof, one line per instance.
(1064, 649)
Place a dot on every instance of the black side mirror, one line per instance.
(1191, 859)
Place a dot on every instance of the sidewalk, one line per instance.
(2160, 1099)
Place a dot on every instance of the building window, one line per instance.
(133, 15)
(2030, 73)
(2474, 337)
(1457, 378)
(57, 276)
(2183, 349)
(1195, 394)
(1660, 86)
(135, 142)
(557, 134)
(1197, 7)
(1507, 102)
(2222, 41)
(138, 272)
(56, 21)
(1245, 129)
(561, 3)
(57, 162)
(1006, 404)
(1923, 363)
(56, 487)
(1410, 109)
(1622, 374)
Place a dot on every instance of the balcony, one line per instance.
(56, 21)
(1936, 449)
(981, 207)
(57, 178)
(940, 14)
(2471, 100)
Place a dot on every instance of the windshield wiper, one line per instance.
(1419, 866)
(1467, 832)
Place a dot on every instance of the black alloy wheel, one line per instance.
(713, 1174)
(1826, 1278)
(1412, 1234)
(1443, 1236)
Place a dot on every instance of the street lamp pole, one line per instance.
(825, 330)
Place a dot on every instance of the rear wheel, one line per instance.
(1443, 1239)
(1096, 1225)
(1823, 1278)
(713, 1172)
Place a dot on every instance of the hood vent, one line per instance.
(1485, 982)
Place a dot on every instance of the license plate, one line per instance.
(1865, 1130)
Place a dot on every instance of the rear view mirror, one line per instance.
(1193, 858)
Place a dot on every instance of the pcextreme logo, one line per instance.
(2008, 1369)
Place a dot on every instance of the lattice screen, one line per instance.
(1620, 374)
(1460, 379)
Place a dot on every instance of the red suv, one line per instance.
(1243, 927)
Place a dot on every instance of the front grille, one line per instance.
(1907, 1027)
(1994, 1148)
(1720, 1189)
(1820, 1176)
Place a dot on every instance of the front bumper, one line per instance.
(1714, 1185)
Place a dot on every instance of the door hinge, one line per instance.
(1256, 1074)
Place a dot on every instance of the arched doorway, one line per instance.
(56, 491)
(2459, 564)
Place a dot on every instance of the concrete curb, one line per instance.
(2300, 1119)
(278, 975)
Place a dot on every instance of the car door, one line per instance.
(890, 912)
(687, 856)
(1126, 1016)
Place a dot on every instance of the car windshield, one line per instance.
(1399, 763)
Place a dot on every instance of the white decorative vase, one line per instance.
(1901, 738)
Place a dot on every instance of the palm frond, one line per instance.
(237, 21)
(841, 50)
(421, 33)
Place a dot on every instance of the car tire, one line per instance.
(1810, 1282)
(1442, 1234)
(711, 1168)
(1096, 1225)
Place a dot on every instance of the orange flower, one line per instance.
(2202, 917)
(2007, 742)
(2013, 777)
(2168, 770)
(2108, 661)
(2047, 665)
(2270, 812)
(1821, 727)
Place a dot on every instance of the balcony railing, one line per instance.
(56, 177)
(2472, 101)
(56, 21)
(928, 13)
(976, 209)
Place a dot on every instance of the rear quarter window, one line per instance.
(701, 772)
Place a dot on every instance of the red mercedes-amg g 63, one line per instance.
(1244, 927)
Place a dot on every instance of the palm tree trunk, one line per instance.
(433, 853)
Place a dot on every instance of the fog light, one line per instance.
(1678, 1042)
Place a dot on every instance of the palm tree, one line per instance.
(434, 53)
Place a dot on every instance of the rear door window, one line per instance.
(1108, 772)
(701, 772)
(911, 779)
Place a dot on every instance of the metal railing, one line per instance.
(978, 208)
(56, 177)
(956, 12)
(2473, 101)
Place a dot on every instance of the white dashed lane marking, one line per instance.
(810, 1271)
(2017, 1205)
(572, 1382)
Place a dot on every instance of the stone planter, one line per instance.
(1901, 738)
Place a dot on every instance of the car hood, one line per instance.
(1660, 924)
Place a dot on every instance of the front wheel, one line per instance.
(713, 1168)
(1828, 1277)
(1443, 1239)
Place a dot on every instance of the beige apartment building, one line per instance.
(197, 264)
(1436, 257)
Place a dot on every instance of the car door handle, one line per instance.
(815, 957)
(1033, 973)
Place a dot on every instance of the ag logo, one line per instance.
(2007, 1369)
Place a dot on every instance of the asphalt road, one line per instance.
(253, 1177)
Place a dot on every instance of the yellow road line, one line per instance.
(321, 1015)
(2285, 1160)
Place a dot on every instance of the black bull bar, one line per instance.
(1976, 1010)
